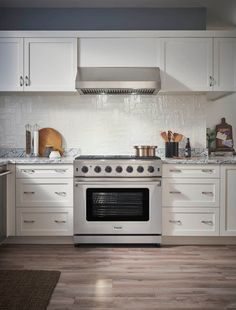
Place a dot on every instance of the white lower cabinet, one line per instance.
(191, 222)
(44, 200)
(191, 200)
(44, 221)
(228, 201)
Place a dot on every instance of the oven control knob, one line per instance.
(119, 169)
(108, 169)
(140, 169)
(97, 169)
(151, 169)
(84, 169)
(129, 169)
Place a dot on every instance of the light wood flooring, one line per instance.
(177, 277)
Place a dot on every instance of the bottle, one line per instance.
(36, 140)
(187, 152)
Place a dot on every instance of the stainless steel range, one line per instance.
(117, 199)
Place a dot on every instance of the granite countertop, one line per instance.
(17, 156)
(219, 160)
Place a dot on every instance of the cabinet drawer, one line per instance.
(197, 222)
(191, 171)
(44, 222)
(44, 171)
(190, 193)
(44, 193)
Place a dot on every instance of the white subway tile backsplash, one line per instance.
(103, 124)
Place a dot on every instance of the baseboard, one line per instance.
(177, 240)
(39, 240)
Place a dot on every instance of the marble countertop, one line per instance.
(37, 160)
(202, 160)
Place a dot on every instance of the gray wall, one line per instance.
(103, 19)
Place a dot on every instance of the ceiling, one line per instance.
(221, 13)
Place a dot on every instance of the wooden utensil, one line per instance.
(49, 136)
(164, 136)
(178, 137)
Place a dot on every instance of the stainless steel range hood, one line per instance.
(118, 80)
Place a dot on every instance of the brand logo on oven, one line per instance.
(117, 227)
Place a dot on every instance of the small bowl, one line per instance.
(55, 155)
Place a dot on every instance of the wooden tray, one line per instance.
(49, 136)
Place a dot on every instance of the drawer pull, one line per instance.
(207, 222)
(175, 170)
(207, 170)
(174, 192)
(207, 193)
(175, 222)
(63, 194)
(29, 171)
(60, 170)
(59, 222)
(29, 221)
(29, 193)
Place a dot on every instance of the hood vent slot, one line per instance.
(118, 80)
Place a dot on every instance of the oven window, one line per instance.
(115, 204)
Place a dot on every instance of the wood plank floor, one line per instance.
(178, 277)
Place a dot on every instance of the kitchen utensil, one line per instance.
(164, 136)
(169, 135)
(36, 140)
(177, 137)
(51, 137)
(145, 150)
(171, 149)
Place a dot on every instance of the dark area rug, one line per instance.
(26, 289)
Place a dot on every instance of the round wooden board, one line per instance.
(49, 136)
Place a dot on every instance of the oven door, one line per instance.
(117, 208)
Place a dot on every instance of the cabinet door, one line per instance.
(11, 64)
(119, 52)
(187, 64)
(228, 201)
(50, 64)
(225, 64)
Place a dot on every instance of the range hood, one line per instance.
(118, 80)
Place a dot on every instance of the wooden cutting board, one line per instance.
(49, 136)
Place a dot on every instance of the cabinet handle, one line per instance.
(27, 81)
(175, 222)
(61, 193)
(207, 193)
(207, 222)
(174, 192)
(207, 170)
(21, 81)
(29, 221)
(60, 170)
(29, 193)
(212, 81)
(29, 171)
(175, 170)
(59, 222)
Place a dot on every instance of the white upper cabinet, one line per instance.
(50, 64)
(11, 64)
(225, 64)
(119, 52)
(187, 64)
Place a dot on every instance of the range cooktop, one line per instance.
(112, 157)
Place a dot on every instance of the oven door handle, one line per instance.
(158, 183)
(5, 173)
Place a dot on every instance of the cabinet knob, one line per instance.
(207, 193)
(21, 81)
(27, 81)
